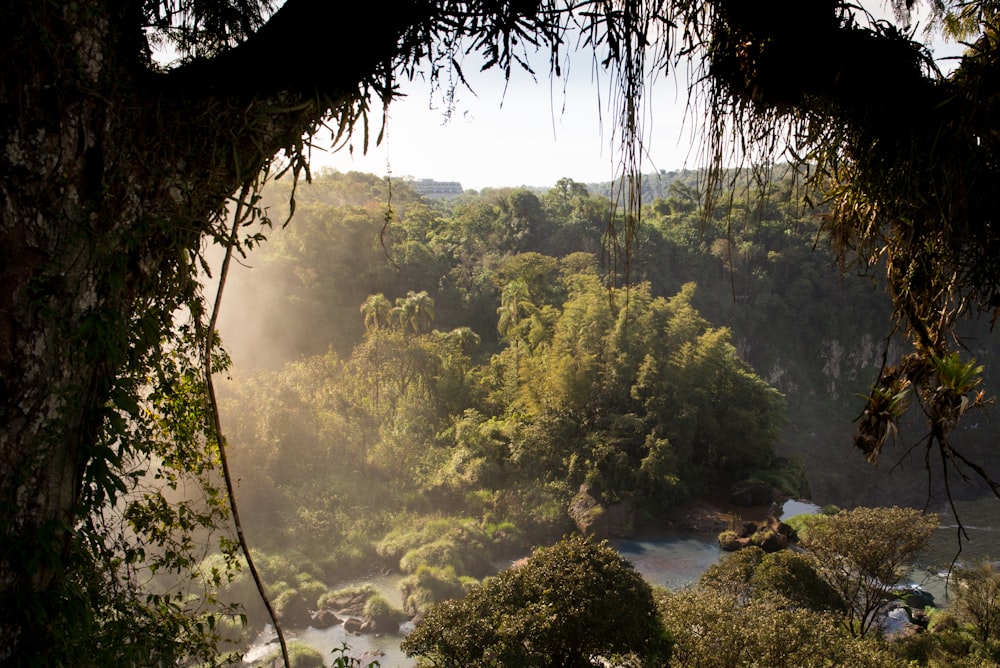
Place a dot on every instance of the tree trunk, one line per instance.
(110, 175)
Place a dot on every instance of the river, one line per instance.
(671, 560)
(676, 559)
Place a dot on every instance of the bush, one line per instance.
(383, 614)
(353, 599)
(299, 654)
(729, 541)
(429, 586)
(565, 606)
(863, 553)
(977, 600)
(292, 608)
(712, 630)
(440, 543)
(794, 577)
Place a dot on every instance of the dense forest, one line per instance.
(430, 387)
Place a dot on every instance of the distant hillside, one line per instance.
(762, 270)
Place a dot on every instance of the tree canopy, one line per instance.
(573, 604)
(117, 168)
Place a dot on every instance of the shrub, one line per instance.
(863, 553)
(794, 577)
(300, 655)
(977, 601)
(565, 606)
(349, 598)
(440, 543)
(382, 613)
(429, 586)
(729, 541)
(712, 630)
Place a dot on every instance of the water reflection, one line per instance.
(673, 561)
(793, 507)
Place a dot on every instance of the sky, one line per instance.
(532, 134)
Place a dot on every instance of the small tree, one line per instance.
(863, 553)
(785, 576)
(713, 630)
(978, 598)
(568, 605)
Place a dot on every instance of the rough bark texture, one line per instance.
(109, 175)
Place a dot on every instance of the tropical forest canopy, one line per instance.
(456, 401)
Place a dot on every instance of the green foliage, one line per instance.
(638, 395)
(977, 599)
(300, 655)
(713, 630)
(902, 156)
(382, 612)
(732, 574)
(453, 543)
(632, 392)
(863, 553)
(795, 577)
(566, 605)
(429, 586)
(341, 659)
(152, 506)
(781, 576)
(948, 643)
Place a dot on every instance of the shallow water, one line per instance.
(675, 560)
(981, 520)
(793, 507)
(672, 560)
(384, 647)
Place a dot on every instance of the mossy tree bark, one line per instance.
(111, 174)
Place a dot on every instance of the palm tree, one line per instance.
(376, 311)
(466, 339)
(515, 304)
(415, 312)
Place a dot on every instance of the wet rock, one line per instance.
(324, 619)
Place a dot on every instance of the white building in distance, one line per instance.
(437, 189)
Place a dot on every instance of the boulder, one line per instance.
(771, 535)
(916, 597)
(920, 618)
(769, 541)
(295, 611)
(378, 625)
(730, 541)
(590, 516)
(747, 529)
(353, 625)
(621, 520)
(324, 619)
(350, 603)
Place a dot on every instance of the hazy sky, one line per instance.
(536, 133)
